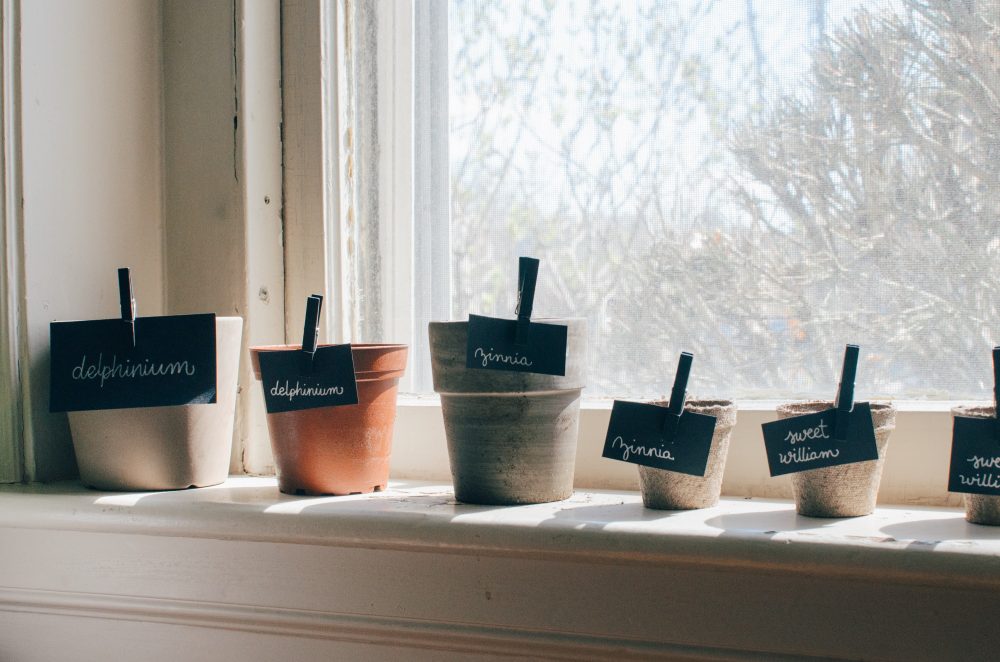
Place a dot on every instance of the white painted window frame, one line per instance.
(11, 396)
(917, 461)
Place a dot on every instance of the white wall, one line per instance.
(90, 111)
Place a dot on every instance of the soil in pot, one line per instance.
(512, 436)
(846, 490)
(670, 490)
(344, 449)
(164, 448)
(980, 508)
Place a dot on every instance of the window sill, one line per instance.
(592, 525)
(594, 576)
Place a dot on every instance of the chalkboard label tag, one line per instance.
(291, 384)
(146, 362)
(492, 346)
(517, 345)
(808, 442)
(636, 434)
(975, 457)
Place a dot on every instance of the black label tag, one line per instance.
(975, 456)
(291, 382)
(806, 442)
(635, 435)
(95, 366)
(492, 347)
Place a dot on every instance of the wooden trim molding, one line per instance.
(331, 629)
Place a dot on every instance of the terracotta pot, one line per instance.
(511, 435)
(345, 449)
(163, 448)
(980, 508)
(669, 490)
(846, 490)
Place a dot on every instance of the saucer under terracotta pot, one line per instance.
(345, 449)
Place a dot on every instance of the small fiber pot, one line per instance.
(980, 508)
(511, 435)
(164, 448)
(339, 450)
(846, 490)
(670, 490)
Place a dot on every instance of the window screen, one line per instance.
(755, 182)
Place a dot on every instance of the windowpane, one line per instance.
(756, 182)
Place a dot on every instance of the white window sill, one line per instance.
(410, 569)
(592, 524)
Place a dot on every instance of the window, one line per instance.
(758, 183)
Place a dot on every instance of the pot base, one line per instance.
(512, 449)
(295, 490)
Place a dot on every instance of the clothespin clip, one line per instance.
(845, 392)
(527, 276)
(310, 331)
(996, 389)
(678, 394)
(126, 301)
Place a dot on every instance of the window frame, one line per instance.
(11, 394)
(916, 471)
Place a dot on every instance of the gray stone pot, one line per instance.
(847, 490)
(980, 508)
(163, 448)
(511, 435)
(669, 490)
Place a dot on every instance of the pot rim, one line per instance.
(695, 402)
(533, 319)
(298, 346)
(829, 404)
(975, 410)
(394, 354)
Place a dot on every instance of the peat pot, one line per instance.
(670, 490)
(980, 508)
(846, 490)
(344, 449)
(511, 435)
(163, 448)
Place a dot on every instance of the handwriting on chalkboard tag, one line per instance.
(291, 384)
(492, 346)
(807, 442)
(975, 457)
(635, 435)
(96, 366)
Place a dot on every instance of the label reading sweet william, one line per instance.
(492, 346)
(975, 456)
(292, 381)
(95, 365)
(807, 442)
(636, 435)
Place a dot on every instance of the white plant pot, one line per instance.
(164, 448)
